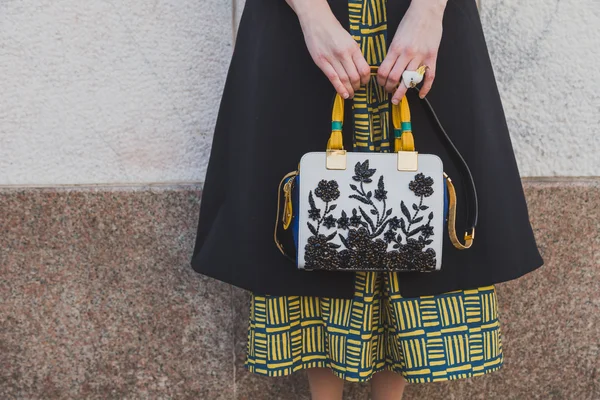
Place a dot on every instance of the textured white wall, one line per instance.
(545, 55)
(103, 91)
(125, 92)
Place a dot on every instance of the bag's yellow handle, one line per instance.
(336, 141)
(404, 140)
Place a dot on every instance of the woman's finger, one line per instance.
(352, 72)
(343, 76)
(386, 67)
(396, 73)
(333, 77)
(402, 88)
(429, 77)
(362, 66)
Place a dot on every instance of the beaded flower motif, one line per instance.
(370, 227)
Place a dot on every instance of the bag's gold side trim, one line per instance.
(469, 237)
(279, 189)
(287, 204)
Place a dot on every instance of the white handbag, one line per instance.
(371, 211)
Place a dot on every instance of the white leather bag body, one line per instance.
(370, 215)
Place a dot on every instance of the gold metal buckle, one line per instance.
(470, 236)
(287, 203)
(336, 159)
(407, 161)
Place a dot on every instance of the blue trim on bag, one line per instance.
(446, 201)
(295, 223)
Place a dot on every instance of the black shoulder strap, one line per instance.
(465, 172)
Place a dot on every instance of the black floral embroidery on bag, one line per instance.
(355, 219)
(361, 250)
(320, 250)
(329, 221)
(362, 172)
(327, 190)
(421, 185)
(343, 221)
(367, 240)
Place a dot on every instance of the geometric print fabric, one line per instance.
(430, 338)
(370, 104)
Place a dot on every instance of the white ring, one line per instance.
(412, 78)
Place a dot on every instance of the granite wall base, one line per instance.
(97, 300)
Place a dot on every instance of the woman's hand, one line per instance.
(331, 47)
(415, 43)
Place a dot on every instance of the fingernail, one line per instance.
(422, 96)
(345, 95)
(395, 100)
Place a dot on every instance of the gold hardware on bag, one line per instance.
(289, 174)
(404, 145)
(287, 203)
(469, 236)
(335, 154)
(407, 161)
(336, 159)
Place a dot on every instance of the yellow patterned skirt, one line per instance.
(430, 338)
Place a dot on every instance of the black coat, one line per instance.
(276, 106)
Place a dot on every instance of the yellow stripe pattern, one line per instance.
(370, 106)
(426, 339)
(430, 338)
